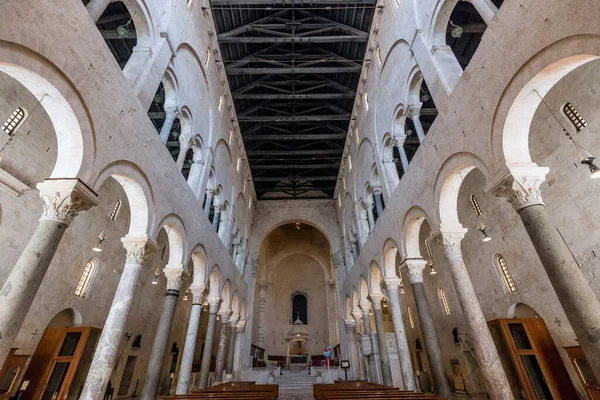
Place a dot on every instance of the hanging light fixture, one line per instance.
(185, 297)
(402, 289)
(156, 274)
(431, 270)
(298, 225)
(123, 30)
(456, 31)
(98, 247)
(482, 229)
(594, 170)
(424, 95)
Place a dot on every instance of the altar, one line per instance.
(298, 352)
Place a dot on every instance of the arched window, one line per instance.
(300, 308)
(504, 273)
(574, 116)
(475, 205)
(444, 302)
(85, 282)
(115, 211)
(13, 122)
(410, 318)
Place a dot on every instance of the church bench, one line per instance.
(233, 390)
(363, 390)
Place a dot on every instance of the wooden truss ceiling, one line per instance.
(293, 70)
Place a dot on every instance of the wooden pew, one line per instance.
(233, 391)
(350, 390)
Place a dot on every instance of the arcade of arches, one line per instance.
(195, 192)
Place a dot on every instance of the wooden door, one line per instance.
(587, 377)
(11, 373)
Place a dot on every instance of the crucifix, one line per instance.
(557, 321)
(34, 334)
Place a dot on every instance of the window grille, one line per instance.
(504, 273)
(13, 122)
(475, 205)
(444, 301)
(86, 279)
(574, 116)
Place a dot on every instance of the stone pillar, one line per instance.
(64, 199)
(216, 218)
(213, 303)
(260, 313)
(378, 200)
(521, 187)
(386, 370)
(96, 8)
(187, 358)
(486, 9)
(415, 113)
(163, 333)
(231, 348)
(370, 217)
(222, 343)
(484, 347)
(372, 355)
(240, 347)
(209, 199)
(105, 356)
(408, 376)
(339, 268)
(165, 130)
(353, 349)
(413, 268)
(196, 171)
(403, 158)
(362, 362)
(184, 146)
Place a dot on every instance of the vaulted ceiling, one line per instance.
(293, 69)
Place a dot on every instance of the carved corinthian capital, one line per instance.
(65, 198)
(197, 294)
(174, 278)
(137, 249)
(413, 267)
(449, 241)
(519, 185)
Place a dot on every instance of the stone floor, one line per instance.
(295, 394)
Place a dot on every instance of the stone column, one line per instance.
(240, 347)
(486, 9)
(386, 370)
(378, 200)
(213, 303)
(209, 199)
(187, 358)
(222, 343)
(96, 8)
(413, 268)
(64, 199)
(165, 130)
(163, 332)
(408, 376)
(403, 158)
(521, 187)
(484, 347)
(216, 218)
(415, 113)
(231, 348)
(184, 146)
(260, 313)
(105, 356)
(370, 217)
(195, 171)
(362, 362)
(353, 349)
(371, 355)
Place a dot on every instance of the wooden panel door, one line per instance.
(587, 377)
(11, 373)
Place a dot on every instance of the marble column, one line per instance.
(165, 130)
(195, 171)
(216, 218)
(408, 376)
(260, 313)
(386, 370)
(105, 356)
(362, 362)
(96, 8)
(521, 188)
(353, 349)
(187, 358)
(213, 303)
(232, 338)
(485, 350)
(486, 9)
(372, 355)
(244, 339)
(403, 158)
(413, 268)
(163, 332)
(378, 200)
(415, 113)
(370, 217)
(184, 146)
(64, 199)
(209, 199)
(222, 343)
(240, 348)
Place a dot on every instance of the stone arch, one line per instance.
(415, 80)
(199, 264)
(448, 183)
(175, 229)
(376, 277)
(68, 317)
(138, 191)
(235, 303)
(284, 254)
(214, 279)
(390, 251)
(412, 228)
(170, 87)
(522, 310)
(364, 288)
(243, 310)
(183, 47)
(226, 295)
(398, 128)
(348, 307)
(387, 146)
(355, 298)
(71, 122)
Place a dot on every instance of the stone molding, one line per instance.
(413, 267)
(65, 198)
(520, 185)
(174, 278)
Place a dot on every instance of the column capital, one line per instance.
(225, 316)
(174, 277)
(449, 239)
(376, 299)
(213, 303)
(217, 207)
(365, 305)
(241, 325)
(414, 111)
(520, 185)
(413, 267)
(357, 315)
(197, 293)
(170, 110)
(399, 140)
(210, 192)
(137, 249)
(377, 190)
(392, 284)
(233, 320)
(349, 323)
(65, 198)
